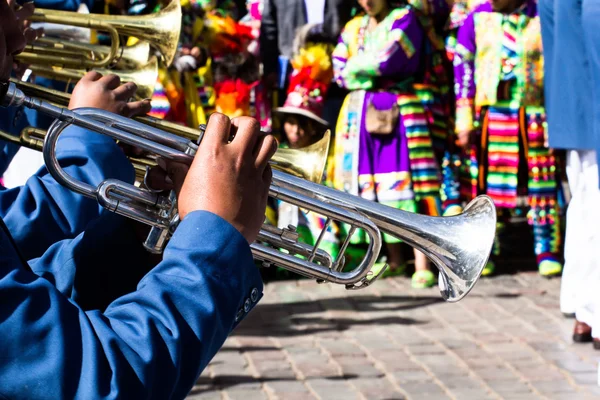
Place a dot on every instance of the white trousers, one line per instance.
(580, 285)
(25, 163)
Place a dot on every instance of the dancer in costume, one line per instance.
(457, 160)
(209, 33)
(499, 81)
(383, 150)
(433, 86)
(300, 124)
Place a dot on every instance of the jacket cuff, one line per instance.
(235, 261)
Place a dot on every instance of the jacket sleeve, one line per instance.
(43, 212)
(464, 75)
(269, 46)
(152, 343)
(546, 11)
(83, 270)
(340, 56)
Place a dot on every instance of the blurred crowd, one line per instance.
(429, 104)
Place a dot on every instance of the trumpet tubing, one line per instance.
(459, 246)
(145, 78)
(128, 57)
(62, 99)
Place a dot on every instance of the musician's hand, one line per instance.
(107, 93)
(230, 180)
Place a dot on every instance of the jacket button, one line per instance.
(254, 295)
(247, 305)
(239, 314)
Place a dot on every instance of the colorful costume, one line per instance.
(227, 83)
(434, 88)
(459, 12)
(398, 169)
(309, 82)
(503, 54)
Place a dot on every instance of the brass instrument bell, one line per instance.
(160, 29)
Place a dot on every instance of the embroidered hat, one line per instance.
(309, 82)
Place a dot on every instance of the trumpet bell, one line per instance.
(307, 163)
(161, 29)
(462, 247)
(459, 246)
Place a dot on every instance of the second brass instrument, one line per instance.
(144, 77)
(161, 30)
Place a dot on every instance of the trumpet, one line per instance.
(145, 77)
(459, 246)
(160, 29)
(129, 57)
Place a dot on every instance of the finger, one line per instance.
(158, 179)
(91, 76)
(125, 91)
(267, 177)
(217, 130)
(111, 81)
(268, 147)
(137, 108)
(13, 37)
(247, 134)
(177, 172)
(25, 11)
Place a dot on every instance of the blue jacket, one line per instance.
(572, 88)
(151, 343)
(85, 268)
(42, 211)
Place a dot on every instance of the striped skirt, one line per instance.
(514, 161)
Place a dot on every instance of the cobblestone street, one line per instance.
(505, 340)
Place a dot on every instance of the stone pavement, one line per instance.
(505, 340)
